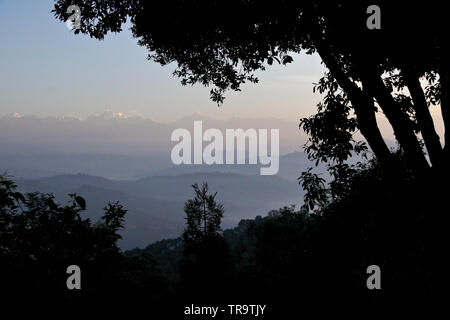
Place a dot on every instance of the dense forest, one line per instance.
(310, 255)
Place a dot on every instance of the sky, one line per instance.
(46, 70)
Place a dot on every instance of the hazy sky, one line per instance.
(48, 71)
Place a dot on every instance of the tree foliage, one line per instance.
(223, 43)
(203, 216)
(40, 238)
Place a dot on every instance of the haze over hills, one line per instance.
(114, 157)
(110, 144)
(291, 165)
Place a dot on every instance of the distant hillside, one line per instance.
(155, 204)
(290, 167)
(147, 218)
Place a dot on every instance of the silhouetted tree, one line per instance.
(222, 43)
(203, 216)
(206, 260)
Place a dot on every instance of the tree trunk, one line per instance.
(403, 129)
(445, 109)
(424, 118)
(364, 109)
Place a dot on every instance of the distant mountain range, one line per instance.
(155, 204)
